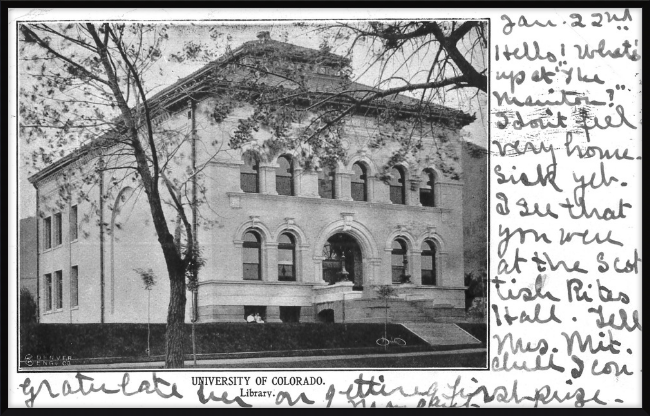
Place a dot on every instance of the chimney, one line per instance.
(263, 36)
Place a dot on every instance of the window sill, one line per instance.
(52, 249)
(52, 312)
(258, 282)
(236, 197)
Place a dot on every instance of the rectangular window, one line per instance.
(47, 233)
(428, 278)
(286, 270)
(249, 182)
(58, 230)
(426, 197)
(286, 273)
(326, 188)
(73, 223)
(398, 273)
(283, 185)
(251, 271)
(358, 191)
(58, 295)
(251, 263)
(397, 195)
(74, 286)
(252, 310)
(290, 314)
(48, 292)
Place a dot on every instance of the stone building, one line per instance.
(291, 242)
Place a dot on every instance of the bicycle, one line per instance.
(383, 342)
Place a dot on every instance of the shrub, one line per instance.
(476, 282)
(27, 307)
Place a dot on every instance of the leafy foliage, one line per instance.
(148, 278)
(386, 291)
(476, 293)
(90, 87)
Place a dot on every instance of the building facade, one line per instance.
(290, 242)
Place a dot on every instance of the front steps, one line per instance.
(441, 333)
(433, 323)
(399, 311)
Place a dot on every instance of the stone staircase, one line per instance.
(429, 322)
(399, 311)
(441, 333)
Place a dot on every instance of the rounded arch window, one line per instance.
(399, 262)
(359, 182)
(252, 256)
(286, 257)
(397, 185)
(428, 263)
(326, 186)
(427, 190)
(248, 177)
(284, 176)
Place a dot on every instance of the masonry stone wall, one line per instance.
(130, 241)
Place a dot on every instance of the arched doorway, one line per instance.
(343, 260)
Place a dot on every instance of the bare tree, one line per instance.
(436, 63)
(87, 82)
(88, 86)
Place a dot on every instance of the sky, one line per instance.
(220, 36)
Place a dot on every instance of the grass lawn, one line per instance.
(130, 340)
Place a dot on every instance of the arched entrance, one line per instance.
(343, 260)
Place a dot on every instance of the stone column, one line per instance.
(308, 183)
(343, 188)
(381, 192)
(297, 178)
(271, 265)
(413, 192)
(318, 269)
(386, 277)
(267, 178)
(302, 251)
(438, 200)
(415, 261)
(273, 314)
(441, 268)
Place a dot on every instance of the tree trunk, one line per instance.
(174, 335)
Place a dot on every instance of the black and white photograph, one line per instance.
(252, 194)
(417, 206)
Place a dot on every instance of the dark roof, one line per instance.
(321, 84)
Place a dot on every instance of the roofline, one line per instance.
(59, 164)
(157, 98)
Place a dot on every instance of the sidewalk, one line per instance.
(270, 362)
